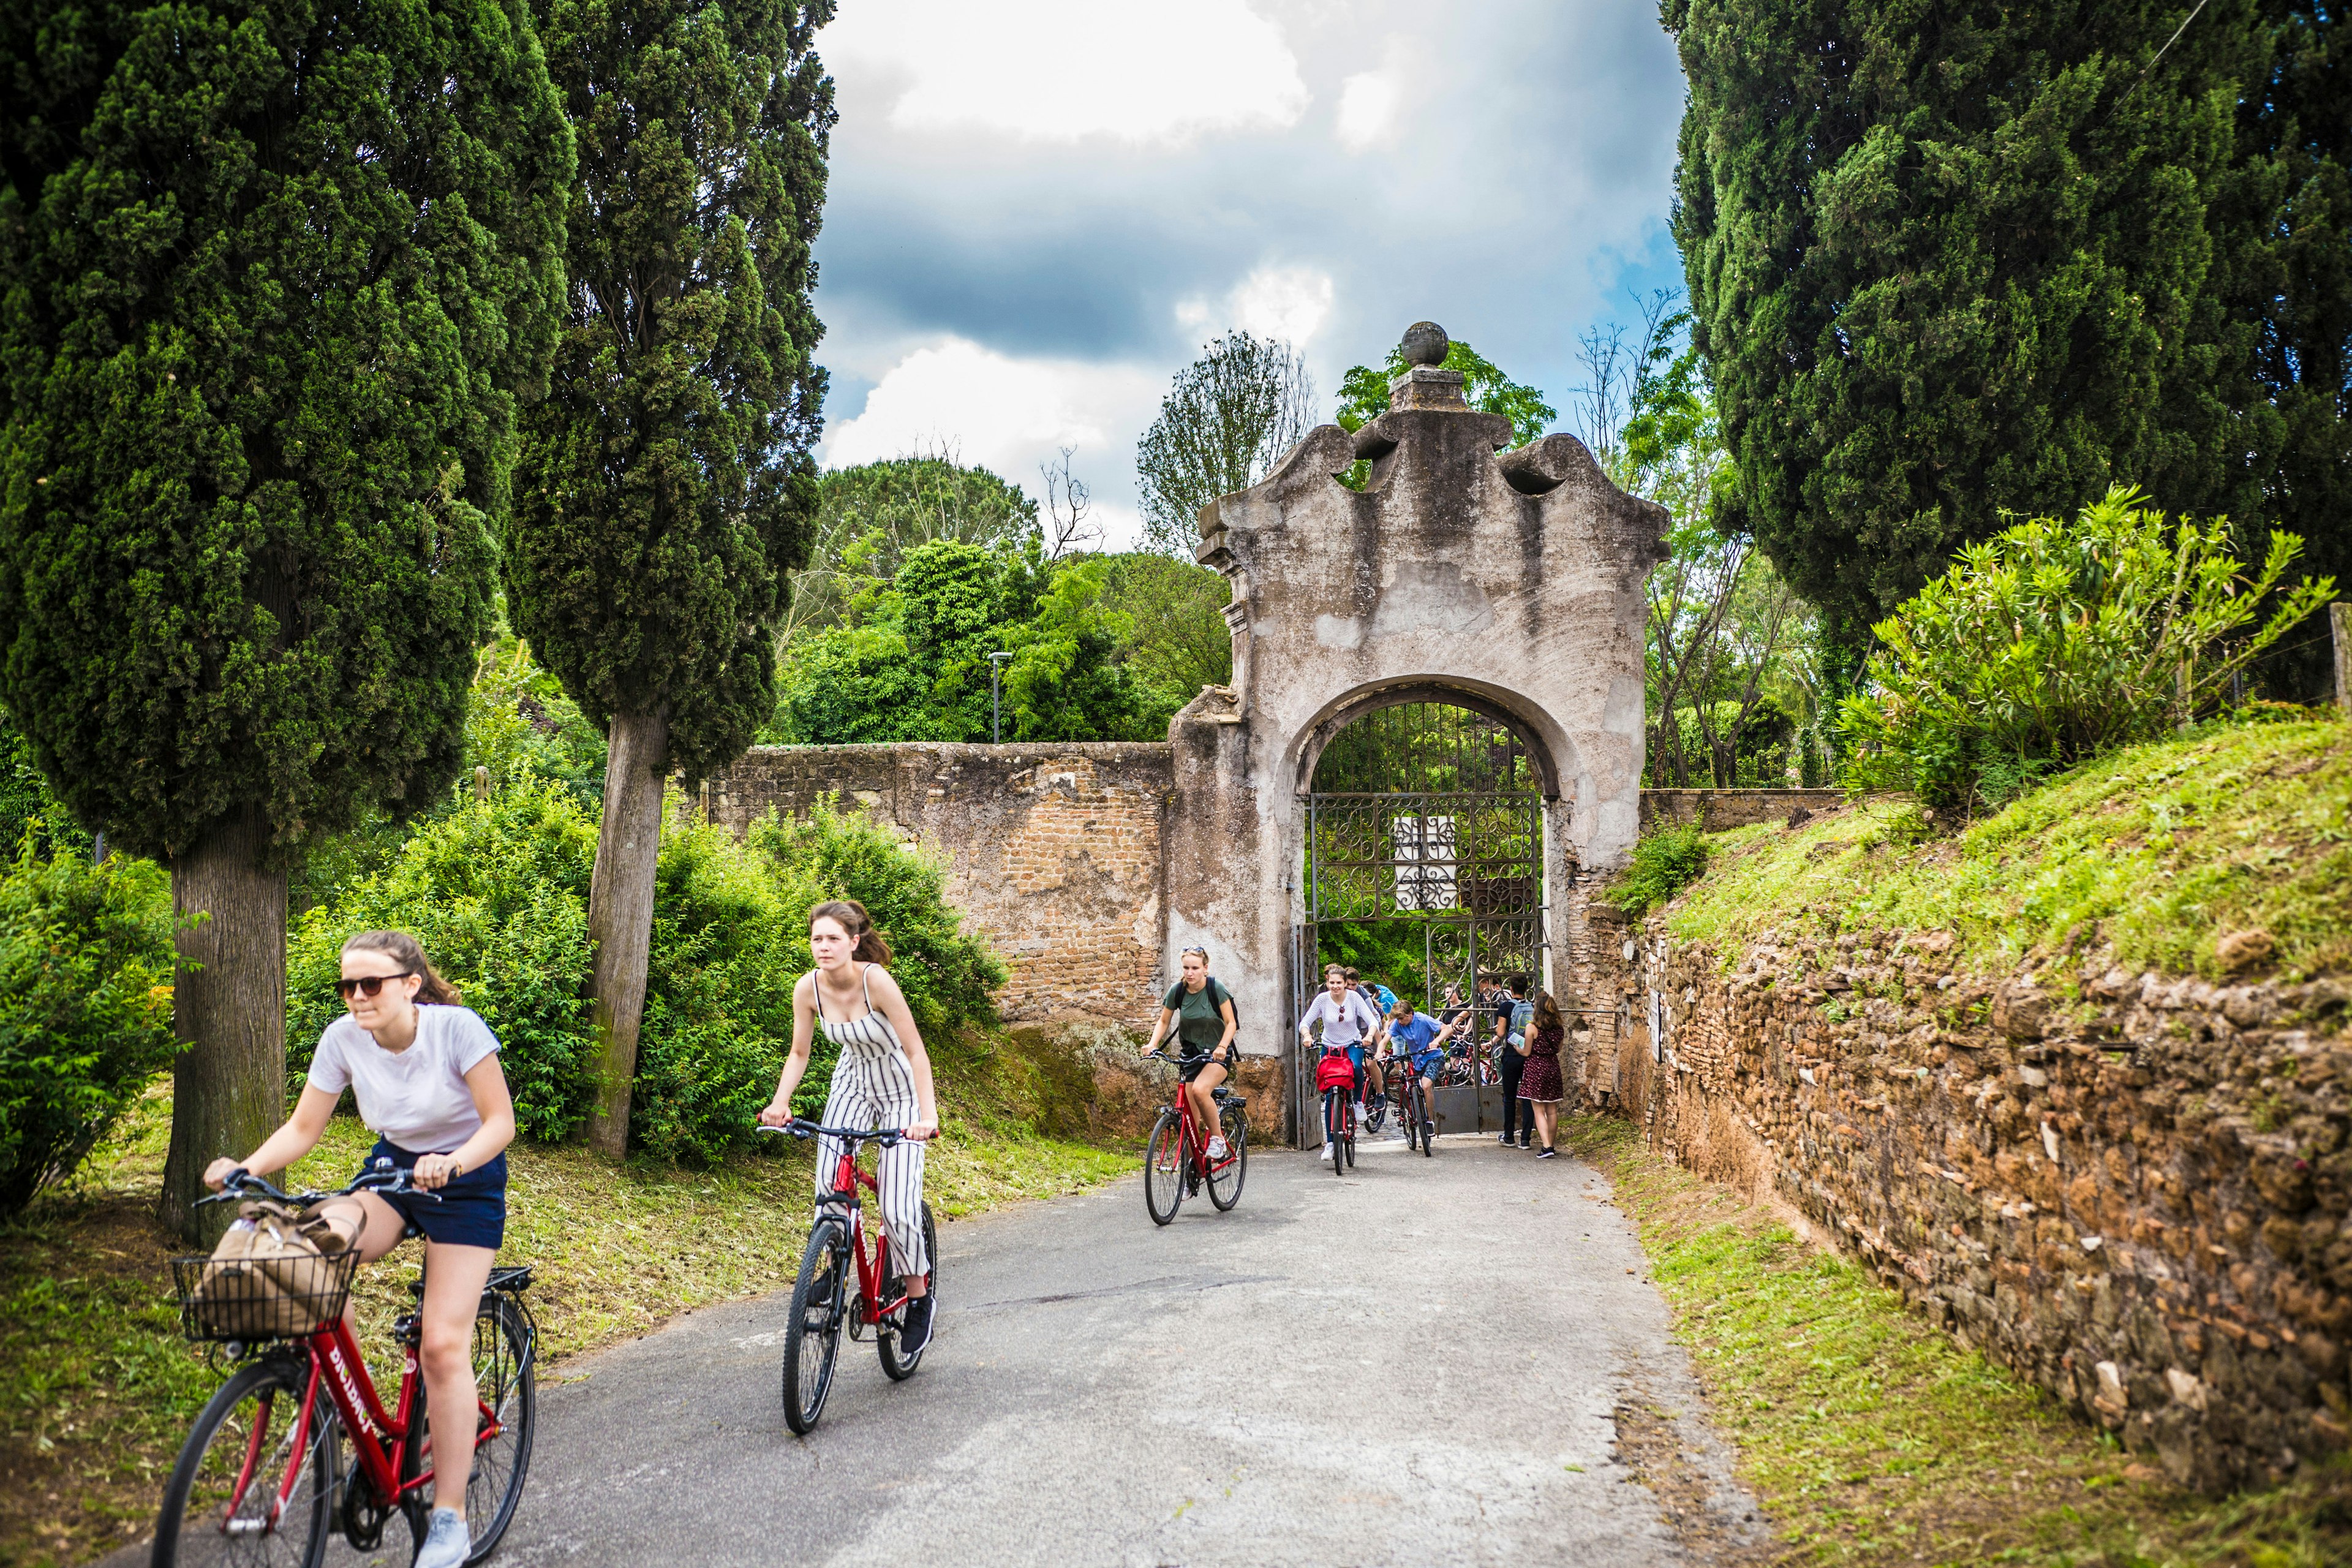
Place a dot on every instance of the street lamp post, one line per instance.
(995, 703)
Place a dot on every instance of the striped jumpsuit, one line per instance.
(874, 1086)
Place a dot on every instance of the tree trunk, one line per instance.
(229, 1006)
(621, 913)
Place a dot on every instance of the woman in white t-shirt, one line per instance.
(426, 1073)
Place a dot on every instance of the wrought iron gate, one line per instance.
(1424, 829)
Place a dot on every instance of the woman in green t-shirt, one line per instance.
(1201, 1015)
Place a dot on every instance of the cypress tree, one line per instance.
(1949, 262)
(666, 486)
(277, 274)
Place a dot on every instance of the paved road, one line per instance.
(1416, 1364)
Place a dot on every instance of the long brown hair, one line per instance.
(867, 944)
(1547, 1013)
(409, 953)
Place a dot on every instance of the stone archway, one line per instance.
(1507, 581)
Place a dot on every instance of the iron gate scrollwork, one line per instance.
(1424, 845)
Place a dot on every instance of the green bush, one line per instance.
(1665, 863)
(719, 999)
(497, 892)
(85, 1007)
(2054, 641)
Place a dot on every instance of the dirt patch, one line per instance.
(1650, 1443)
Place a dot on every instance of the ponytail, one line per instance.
(409, 953)
(867, 946)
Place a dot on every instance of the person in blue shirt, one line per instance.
(1420, 1040)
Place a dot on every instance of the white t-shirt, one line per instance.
(416, 1098)
(1345, 1022)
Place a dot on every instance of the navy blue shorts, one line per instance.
(473, 1208)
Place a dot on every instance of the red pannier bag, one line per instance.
(1335, 1071)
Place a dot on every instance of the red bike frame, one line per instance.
(1189, 1138)
(377, 1438)
(875, 1275)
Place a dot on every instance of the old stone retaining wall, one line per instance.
(1718, 810)
(2131, 1188)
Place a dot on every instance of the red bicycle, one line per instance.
(1334, 1075)
(821, 1306)
(259, 1479)
(1176, 1159)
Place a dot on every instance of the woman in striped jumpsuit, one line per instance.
(882, 1079)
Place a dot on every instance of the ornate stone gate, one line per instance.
(1507, 582)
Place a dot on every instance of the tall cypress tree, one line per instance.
(277, 273)
(666, 485)
(1950, 261)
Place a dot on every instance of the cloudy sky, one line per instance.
(1041, 209)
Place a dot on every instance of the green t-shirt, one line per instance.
(1199, 1024)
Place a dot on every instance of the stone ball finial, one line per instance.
(1425, 343)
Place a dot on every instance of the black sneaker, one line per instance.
(1546, 1153)
(915, 1325)
(1526, 1143)
(1504, 1139)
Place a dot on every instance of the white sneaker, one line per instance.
(447, 1544)
(1217, 1150)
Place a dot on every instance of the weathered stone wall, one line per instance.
(1718, 810)
(2131, 1188)
(1053, 851)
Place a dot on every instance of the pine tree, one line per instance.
(666, 488)
(1944, 264)
(277, 276)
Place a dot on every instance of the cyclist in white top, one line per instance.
(1348, 1022)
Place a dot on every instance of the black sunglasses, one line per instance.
(369, 984)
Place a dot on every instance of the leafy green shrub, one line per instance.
(719, 999)
(2054, 641)
(1665, 863)
(85, 1007)
(497, 892)
(949, 976)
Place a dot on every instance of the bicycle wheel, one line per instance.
(506, 1381)
(1334, 1118)
(898, 1368)
(221, 1505)
(1352, 1143)
(1225, 1180)
(1376, 1112)
(1421, 1119)
(1164, 1159)
(812, 1333)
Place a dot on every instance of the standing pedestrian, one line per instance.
(1510, 1027)
(1540, 1081)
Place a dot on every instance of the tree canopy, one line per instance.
(1949, 265)
(259, 394)
(666, 485)
(870, 516)
(1229, 417)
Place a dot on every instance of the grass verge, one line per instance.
(2158, 849)
(1871, 1437)
(96, 1387)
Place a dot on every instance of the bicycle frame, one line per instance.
(873, 1276)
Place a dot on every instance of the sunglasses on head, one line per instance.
(369, 984)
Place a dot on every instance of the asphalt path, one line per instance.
(1425, 1361)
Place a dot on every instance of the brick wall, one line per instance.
(2133, 1189)
(1053, 851)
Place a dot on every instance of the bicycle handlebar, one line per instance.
(381, 1177)
(800, 1128)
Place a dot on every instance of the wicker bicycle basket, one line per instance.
(275, 1299)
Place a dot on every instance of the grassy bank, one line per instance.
(1870, 1436)
(97, 1386)
(2158, 849)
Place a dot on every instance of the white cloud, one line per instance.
(1287, 302)
(1064, 70)
(1008, 416)
(1368, 109)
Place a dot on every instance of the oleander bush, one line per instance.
(2055, 641)
(85, 1007)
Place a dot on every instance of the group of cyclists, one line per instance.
(425, 1071)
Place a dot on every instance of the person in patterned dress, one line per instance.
(1540, 1083)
